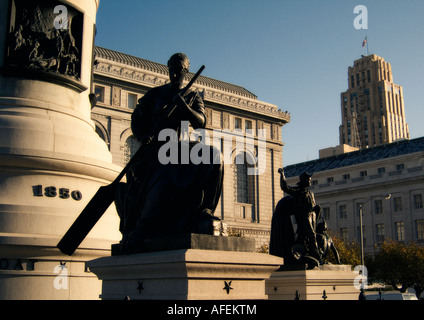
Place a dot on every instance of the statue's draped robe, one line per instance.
(299, 202)
(165, 199)
(282, 231)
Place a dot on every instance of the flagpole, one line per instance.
(368, 53)
(365, 42)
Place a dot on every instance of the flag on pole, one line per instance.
(365, 41)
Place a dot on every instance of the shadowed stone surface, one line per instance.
(194, 241)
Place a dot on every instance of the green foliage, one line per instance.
(399, 265)
(232, 232)
(349, 252)
(264, 249)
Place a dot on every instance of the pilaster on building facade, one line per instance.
(247, 201)
(372, 108)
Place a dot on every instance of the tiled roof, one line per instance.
(163, 69)
(357, 157)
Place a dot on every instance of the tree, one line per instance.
(417, 255)
(399, 265)
(349, 252)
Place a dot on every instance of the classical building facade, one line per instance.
(372, 108)
(386, 180)
(234, 115)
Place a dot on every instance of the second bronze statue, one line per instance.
(303, 246)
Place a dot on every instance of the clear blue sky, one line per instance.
(293, 54)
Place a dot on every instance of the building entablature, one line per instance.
(155, 74)
(328, 183)
(401, 161)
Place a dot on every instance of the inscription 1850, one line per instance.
(52, 192)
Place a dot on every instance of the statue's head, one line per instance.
(178, 66)
(305, 179)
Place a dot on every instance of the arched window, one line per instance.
(131, 147)
(243, 183)
(241, 180)
(100, 130)
(100, 133)
(244, 189)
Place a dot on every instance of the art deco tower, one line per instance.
(373, 110)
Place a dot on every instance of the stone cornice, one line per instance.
(245, 104)
(152, 79)
(127, 73)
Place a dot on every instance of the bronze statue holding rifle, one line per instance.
(159, 199)
(164, 199)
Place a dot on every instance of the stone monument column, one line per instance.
(51, 159)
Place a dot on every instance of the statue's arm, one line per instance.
(192, 109)
(283, 184)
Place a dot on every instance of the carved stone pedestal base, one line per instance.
(186, 274)
(328, 282)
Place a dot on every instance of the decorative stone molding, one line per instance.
(151, 79)
(251, 232)
(246, 104)
(135, 75)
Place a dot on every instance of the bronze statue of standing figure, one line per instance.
(298, 247)
(174, 198)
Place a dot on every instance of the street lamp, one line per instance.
(361, 212)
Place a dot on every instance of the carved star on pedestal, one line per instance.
(227, 287)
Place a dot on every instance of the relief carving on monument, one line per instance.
(130, 74)
(116, 96)
(44, 37)
(208, 113)
(226, 120)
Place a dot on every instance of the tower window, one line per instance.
(418, 201)
(249, 126)
(237, 124)
(243, 182)
(343, 212)
(99, 92)
(400, 230)
(132, 100)
(379, 230)
(397, 204)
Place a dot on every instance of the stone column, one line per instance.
(51, 159)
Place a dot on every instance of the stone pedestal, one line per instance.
(52, 161)
(186, 274)
(336, 280)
